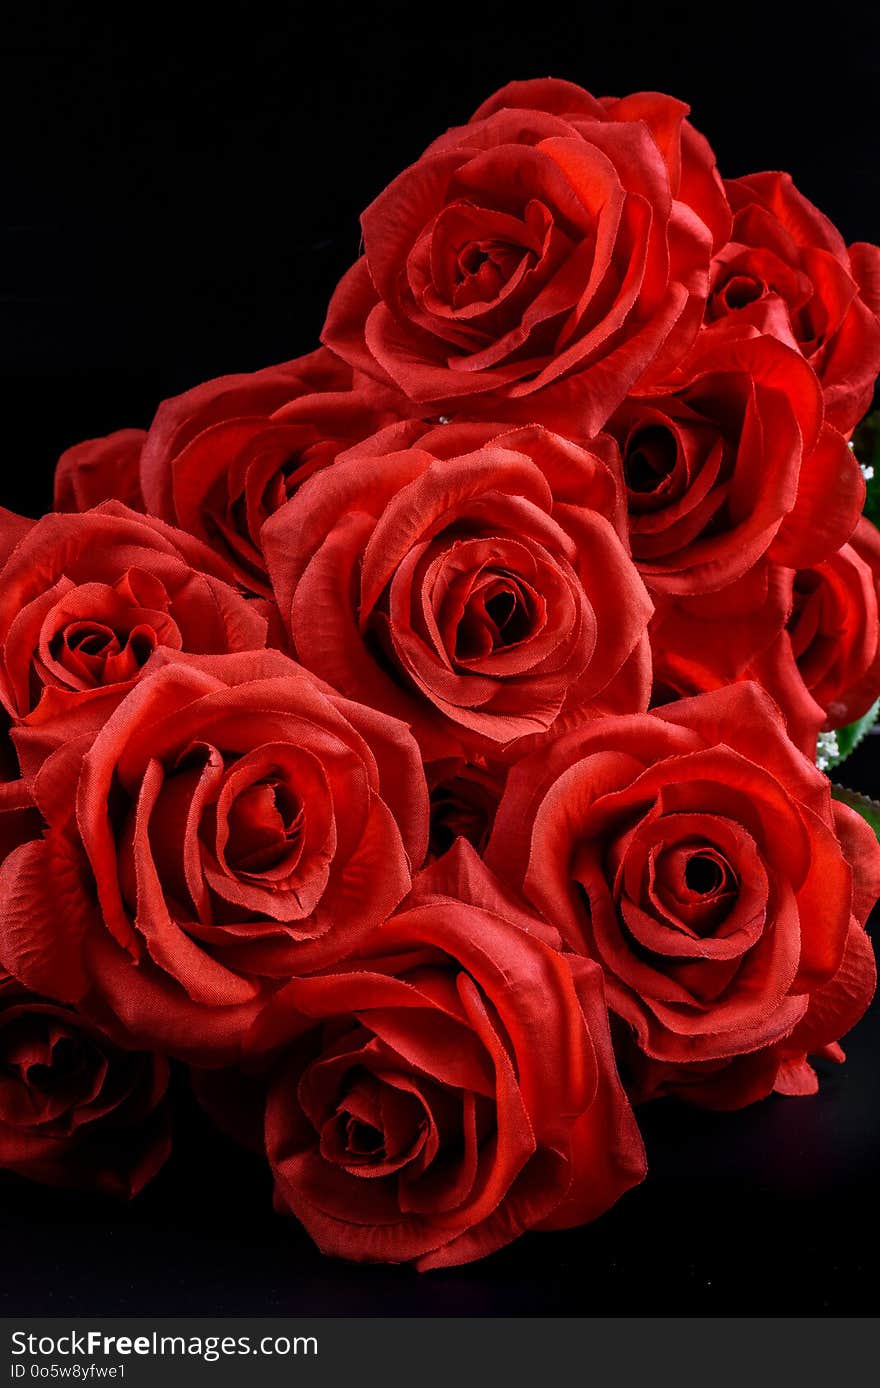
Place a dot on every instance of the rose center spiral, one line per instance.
(264, 821)
(703, 875)
(650, 459)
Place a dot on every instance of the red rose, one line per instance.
(543, 257)
(809, 636)
(690, 163)
(787, 272)
(233, 823)
(451, 1089)
(823, 669)
(699, 858)
(220, 458)
(74, 1109)
(832, 1011)
(105, 469)
(729, 462)
(86, 599)
(467, 579)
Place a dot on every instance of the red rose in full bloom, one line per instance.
(467, 578)
(105, 469)
(219, 459)
(700, 859)
(86, 599)
(452, 1088)
(730, 461)
(787, 271)
(537, 261)
(233, 822)
(74, 1109)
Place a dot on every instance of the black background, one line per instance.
(179, 204)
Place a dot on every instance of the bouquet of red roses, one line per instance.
(426, 741)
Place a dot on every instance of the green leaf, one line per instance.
(862, 804)
(834, 747)
(866, 446)
(847, 739)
